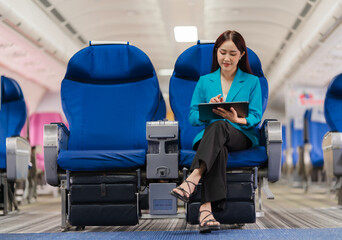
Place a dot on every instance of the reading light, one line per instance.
(185, 33)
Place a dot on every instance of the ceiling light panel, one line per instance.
(185, 34)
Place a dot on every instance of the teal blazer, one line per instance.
(245, 87)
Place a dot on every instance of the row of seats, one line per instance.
(24, 169)
(14, 150)
(115, 147)
(109, 95)
(306, 154)
(332, 141)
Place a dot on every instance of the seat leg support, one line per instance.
(339, 196)
(63, 188)
(13, 201)
(260, 212)
(5, 189)
(338, 188)
(338, 184)
(266, 189)
(264, 186)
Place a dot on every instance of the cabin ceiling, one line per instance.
(271, 28)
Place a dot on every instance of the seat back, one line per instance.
(283, 146)
(315, 129)
(333, 104)
(36, 129)
(12, 114)
(297, 140)
(190, 65)
(108, 94)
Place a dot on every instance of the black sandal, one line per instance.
(205, 228)
(183, 197)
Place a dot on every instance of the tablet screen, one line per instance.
(206, 109)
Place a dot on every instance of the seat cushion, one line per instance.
(97, 160)
(248, 158)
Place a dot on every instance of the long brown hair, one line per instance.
(239, 43)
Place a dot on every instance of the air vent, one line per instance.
(21, 32)
(289, 35)
(48, 7)
(296, 24)
(330, 30)
(282, 46)
(305, 10)
(70, 28)
(82, 40)
(45, 3)
(57, 15)
(299, 20)
(54, 56)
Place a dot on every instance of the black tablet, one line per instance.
(206, 109)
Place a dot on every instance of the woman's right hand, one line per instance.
(216, 99)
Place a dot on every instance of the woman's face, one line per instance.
(228, 56)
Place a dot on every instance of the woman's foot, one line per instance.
(184, 191)
(206, 218)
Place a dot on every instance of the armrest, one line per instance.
(271, 135)
(56, 137)
(160, 132)
(162, 154)
(18, 156)
(306, 154)
(332, 153)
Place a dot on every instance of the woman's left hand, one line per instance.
(230, 115)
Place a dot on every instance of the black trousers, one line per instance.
(218, 139)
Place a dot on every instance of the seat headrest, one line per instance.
(196, 61)
(109, 64)
(335, 87)
(255, 63)
(10, 90)
(333, 104)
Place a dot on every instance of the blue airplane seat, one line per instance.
(297, 140)
(283, 146)
(316, 128)
(108, 94)
(190, 65)
(332, 144)
(161, 112)
(14, 150)
(333, 104)
(12, 114)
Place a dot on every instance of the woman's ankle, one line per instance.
(205, 206)
(196, 174)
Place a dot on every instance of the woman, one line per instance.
(230, 80)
